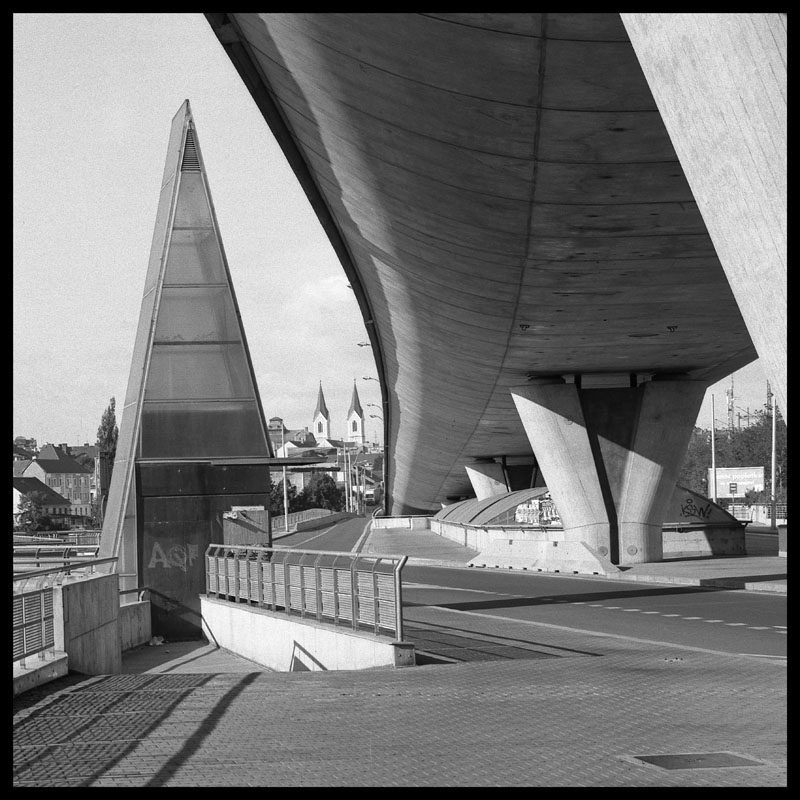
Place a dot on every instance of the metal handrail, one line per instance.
(66, 569)
(309, 583)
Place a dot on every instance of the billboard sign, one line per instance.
(737, 481)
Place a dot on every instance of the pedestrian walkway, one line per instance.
(598, 711)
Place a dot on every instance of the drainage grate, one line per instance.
(698, 761)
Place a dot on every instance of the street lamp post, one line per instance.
(713, 456)
(285, 492)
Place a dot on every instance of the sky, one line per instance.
(94, 98)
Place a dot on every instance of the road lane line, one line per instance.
(603, 635)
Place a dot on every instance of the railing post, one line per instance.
(398, 599)
(287, 595)
(354, 593)
(302, 589)
(318, 586)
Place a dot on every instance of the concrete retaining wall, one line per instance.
(323, 522)
(704, 540)
(413, 523)
(545, 551)
(287, 644)
(86, 624)
(38, 671)
(134, 625)
(549, 549)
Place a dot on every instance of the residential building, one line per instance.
(53, 505)
(66, 476)
(26, 443)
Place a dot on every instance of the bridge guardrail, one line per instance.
(360, 591)
(279, 521)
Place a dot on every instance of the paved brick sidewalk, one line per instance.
(577, 720)
(187, 714)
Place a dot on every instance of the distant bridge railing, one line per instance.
(77, 537)
(280, 521)
(32, 557)
(363, 592)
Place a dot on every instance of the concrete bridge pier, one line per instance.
(487, 478)
(610, 451)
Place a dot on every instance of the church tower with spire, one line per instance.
(355, 420)
(322, 417)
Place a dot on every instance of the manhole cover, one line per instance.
(698, 761)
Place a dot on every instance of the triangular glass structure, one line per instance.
(193, 438)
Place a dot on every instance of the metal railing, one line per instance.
(28, 557)
(78, 537)
(33, 611)
(360, 591)
(279, 521)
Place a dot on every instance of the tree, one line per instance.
(694, 472)
(321, 492)
(747, 447)
(276, 499)
(107, 435)
(31, 517)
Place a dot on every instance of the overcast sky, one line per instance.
(94, 97)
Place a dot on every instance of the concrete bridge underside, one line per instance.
(560, 229)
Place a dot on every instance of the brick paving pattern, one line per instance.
(561, 709)
(562, 721)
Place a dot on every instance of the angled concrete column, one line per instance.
(553, 418)
(663, 426)
(487, 479)
(610, 457)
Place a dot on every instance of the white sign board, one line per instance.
(737, 481)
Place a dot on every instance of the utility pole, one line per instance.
(773, 406)
(285, 492)
(729, 393)
(713, 455)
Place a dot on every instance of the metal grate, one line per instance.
(33, 629)
(191, 162)
(698, 761)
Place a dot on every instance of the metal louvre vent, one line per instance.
(190, 163)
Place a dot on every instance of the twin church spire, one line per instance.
(355, 418)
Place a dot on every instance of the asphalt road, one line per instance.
(690, 617)
(468, 614)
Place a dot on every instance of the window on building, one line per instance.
(319, 427)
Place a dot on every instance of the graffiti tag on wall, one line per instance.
(690, 509)
(175, 556)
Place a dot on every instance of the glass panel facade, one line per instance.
(197, 315)
(201, 430)
(194, 257)
(198, 372)
(192, 209)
